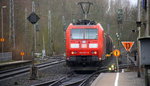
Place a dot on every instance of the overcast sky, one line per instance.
(133, 2)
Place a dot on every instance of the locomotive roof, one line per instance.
(84, 22)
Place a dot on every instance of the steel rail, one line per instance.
(66, 81)
(45, 83)
(9, 73)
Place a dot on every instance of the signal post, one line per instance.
(127, 45)
(33, 18)
(117, 53)
(22, 54)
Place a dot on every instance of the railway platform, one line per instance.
(118, 79)
(13, 64)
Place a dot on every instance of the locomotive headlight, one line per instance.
(74, 45)
(73, 52)
(93, 45)
(94, 52)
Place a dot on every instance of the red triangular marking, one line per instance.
(127, 45)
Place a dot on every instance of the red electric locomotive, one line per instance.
(86, 45)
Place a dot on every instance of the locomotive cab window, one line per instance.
(84, 34)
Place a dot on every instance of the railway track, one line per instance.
(12, 72)
(72, 79)
(77, 79)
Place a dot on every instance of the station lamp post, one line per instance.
(2, 26)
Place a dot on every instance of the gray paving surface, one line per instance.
(130, 79)
(125, 79)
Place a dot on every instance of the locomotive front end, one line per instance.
(84, 45)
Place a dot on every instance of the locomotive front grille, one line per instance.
(87, 59)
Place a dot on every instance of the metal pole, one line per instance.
(43, 43)
(108, 29)
(147, 34)
(139, 33)
(25, 34)
(2, 27)
(118, 33)
(85, 16)
(49, 31)
(43, 50)
(22, 58)
(34, 69)
(64, 30)
(118, 43)
(117, 64)
(127, 60)
(13, 26)
(147, 19)
(10, 20)
(33, 49)
(33, 10)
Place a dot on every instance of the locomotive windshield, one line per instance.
(84, 34)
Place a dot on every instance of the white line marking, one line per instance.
(122, 70)
(116, 80)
